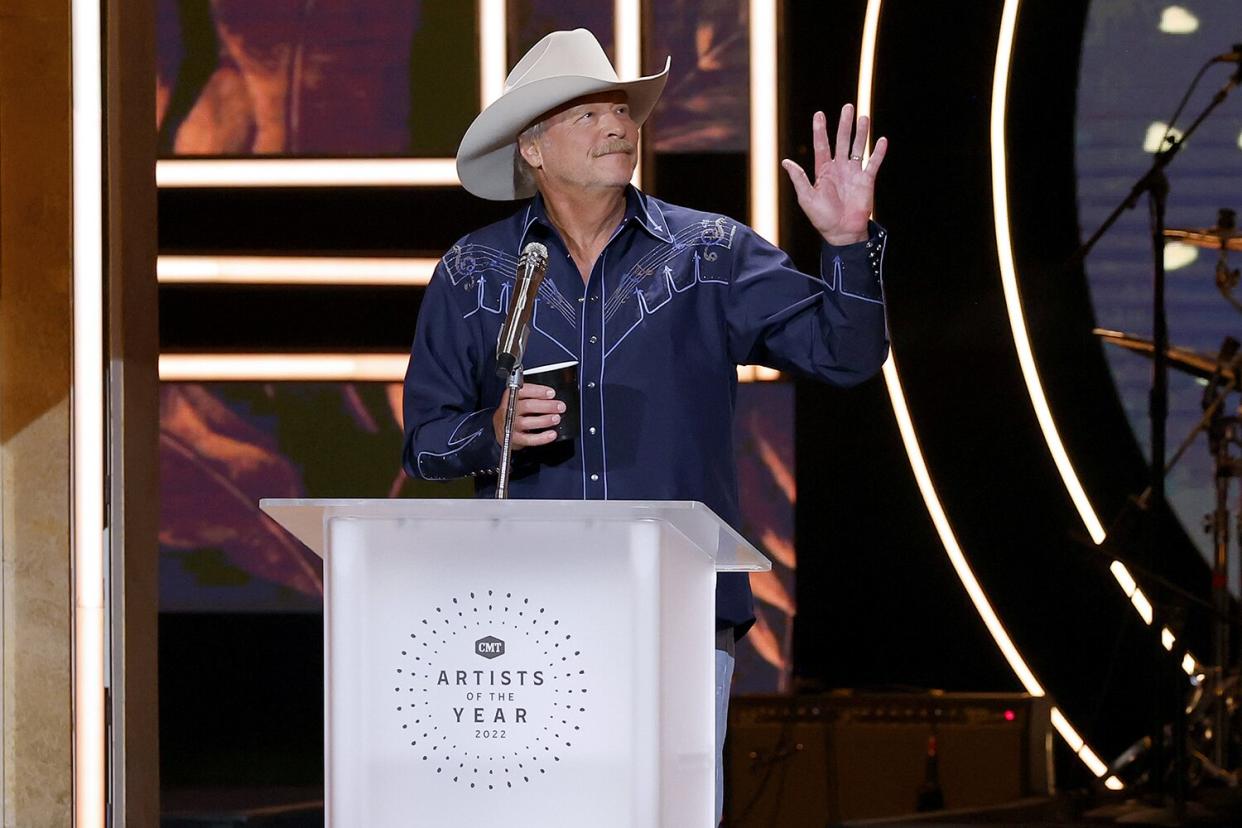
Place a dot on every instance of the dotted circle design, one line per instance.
(444, 640)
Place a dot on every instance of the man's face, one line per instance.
(589, 143)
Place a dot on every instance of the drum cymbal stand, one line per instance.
(1224, 433)
(1164, 699)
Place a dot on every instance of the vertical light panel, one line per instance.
(1017, 322)
(627, 26)
(764, 127)
(87, 489)
(493, 50)
(922, 476)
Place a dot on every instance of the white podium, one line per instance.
(519, 663)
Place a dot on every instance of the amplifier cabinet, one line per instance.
(814, 760)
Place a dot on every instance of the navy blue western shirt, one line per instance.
(677, 299)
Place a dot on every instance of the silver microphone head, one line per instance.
(532, 265)
(536, 252)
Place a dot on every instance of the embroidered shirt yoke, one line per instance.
(675, 302)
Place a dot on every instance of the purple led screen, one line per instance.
(706, 104)
(530, 20)
(223, 446)
(314, 77)
(1138, 57)
(372, 78)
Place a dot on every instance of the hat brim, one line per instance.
(488, 150)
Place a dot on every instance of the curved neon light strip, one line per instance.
(1004, 249)
(951, 546)
(935, 509)
(1021, 339)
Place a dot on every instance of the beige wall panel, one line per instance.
(37, 716)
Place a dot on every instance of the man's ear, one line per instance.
(530, 151)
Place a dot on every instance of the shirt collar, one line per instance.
(640, 209)
(647, 213)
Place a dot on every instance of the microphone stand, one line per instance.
(514, 383)
(1156, 185)
(511, 348)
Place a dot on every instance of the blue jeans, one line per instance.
(724, 678)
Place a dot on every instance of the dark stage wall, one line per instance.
(878, 601)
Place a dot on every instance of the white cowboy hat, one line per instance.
(557, 69)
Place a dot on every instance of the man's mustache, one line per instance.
(616, 145)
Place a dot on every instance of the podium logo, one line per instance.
(490, 726)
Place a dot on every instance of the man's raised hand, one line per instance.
(840, 202)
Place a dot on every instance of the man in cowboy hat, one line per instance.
(657, 303)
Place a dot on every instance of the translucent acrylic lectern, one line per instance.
(518, 663)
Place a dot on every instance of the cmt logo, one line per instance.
(489, 647)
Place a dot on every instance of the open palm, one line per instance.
(841, 200)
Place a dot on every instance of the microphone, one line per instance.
(532, 265)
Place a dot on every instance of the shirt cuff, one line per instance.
(490, 463)
(857, 270)
(487, 458)
(472, 451)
